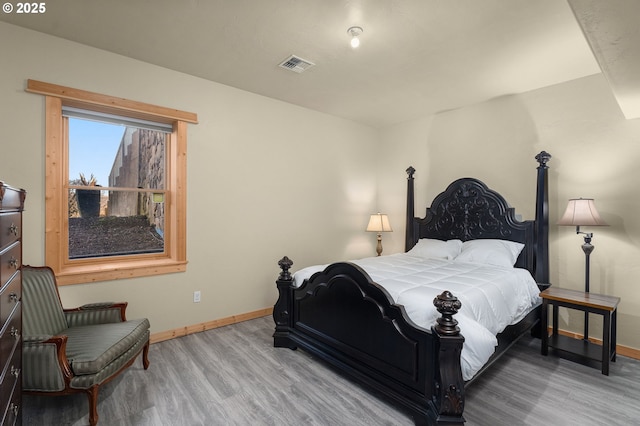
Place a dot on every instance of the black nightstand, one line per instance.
(588, 303)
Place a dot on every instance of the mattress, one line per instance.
(492, 297)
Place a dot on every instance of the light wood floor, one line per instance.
(234, 376)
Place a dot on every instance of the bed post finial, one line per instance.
(409, 239)
(543, 158)
(285, 264)
(448, 305)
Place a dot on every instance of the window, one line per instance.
(122, 214)
(127, 217)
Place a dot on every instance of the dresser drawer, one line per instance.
(11, 375)
(13, 415)
(10, 297)
(11, 391)
(10, 228)
(10, 340)
(10, 263)
(11, 198)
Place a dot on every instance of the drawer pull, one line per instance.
(13, 229)
(15, 333)
(13, 297)
(14, 408)
(15, 371)
(14, 263)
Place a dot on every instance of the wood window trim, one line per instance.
(56, 218)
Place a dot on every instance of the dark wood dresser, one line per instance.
(11, 207)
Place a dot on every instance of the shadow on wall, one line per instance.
(495, 141)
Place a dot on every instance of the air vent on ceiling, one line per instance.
(296, 64)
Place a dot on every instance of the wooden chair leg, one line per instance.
(145, 355)
(92, 393)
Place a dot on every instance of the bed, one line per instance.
(341, 315)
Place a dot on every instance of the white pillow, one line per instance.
(491, 252)
(428, 248)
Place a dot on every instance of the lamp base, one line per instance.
(587, 248)
(379, 246)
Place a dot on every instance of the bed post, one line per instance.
(449, 384)
(409, 241)
(282, 309)
(542, 220)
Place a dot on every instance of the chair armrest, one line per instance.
(99, 305)
(45, 363)
(96, 313)
(35, 339)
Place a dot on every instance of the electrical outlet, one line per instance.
(196, 296)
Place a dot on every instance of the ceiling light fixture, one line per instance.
(354, 32)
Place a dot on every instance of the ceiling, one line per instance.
(417, 57)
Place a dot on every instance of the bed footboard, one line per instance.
(341, 316)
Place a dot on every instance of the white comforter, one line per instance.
(492, 297)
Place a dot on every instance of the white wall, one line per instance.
(595, 155)
(265, 179)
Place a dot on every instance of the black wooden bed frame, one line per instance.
(341, 316)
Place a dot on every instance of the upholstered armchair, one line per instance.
(74, 350)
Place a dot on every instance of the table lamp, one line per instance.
(582, 212)
(379, 223)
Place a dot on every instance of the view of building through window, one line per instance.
(116, 189)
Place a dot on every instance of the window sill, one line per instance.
(83, 274)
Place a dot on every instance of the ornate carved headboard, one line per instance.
(469, 210)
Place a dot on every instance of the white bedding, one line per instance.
(492, 297)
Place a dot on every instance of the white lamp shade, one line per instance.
(581, 212)
(379, 223)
